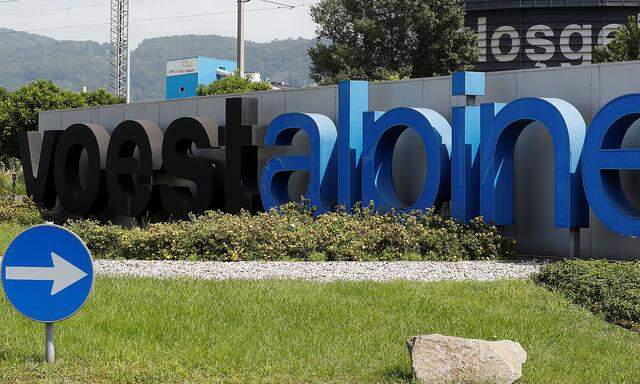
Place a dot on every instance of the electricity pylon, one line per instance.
(120, 66)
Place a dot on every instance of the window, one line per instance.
(181, 89)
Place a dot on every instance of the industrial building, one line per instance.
(185, 75)
(515, 34)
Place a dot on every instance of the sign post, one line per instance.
(50, 351)
(47, 275)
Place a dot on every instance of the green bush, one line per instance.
(19, 211)
(10, 168)
(611, 289)
(232, 84)
(293, 233)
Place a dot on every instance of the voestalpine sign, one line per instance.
(138, 168)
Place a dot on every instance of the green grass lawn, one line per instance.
(183, 331)
(7, 233)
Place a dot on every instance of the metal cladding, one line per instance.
(538, 34)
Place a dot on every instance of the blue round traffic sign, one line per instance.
(47, 273)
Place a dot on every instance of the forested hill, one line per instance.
(278, 60)
(25, 57)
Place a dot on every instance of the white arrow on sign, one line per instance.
(63, 273)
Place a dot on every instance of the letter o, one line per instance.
(381, 133)
(76, 198)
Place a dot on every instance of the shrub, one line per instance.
(22, 211)
(232, 84)
(291, 232)
(611, 289)
(11, 168)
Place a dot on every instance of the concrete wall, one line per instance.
(587, 87)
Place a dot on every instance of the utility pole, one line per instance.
(120, 80)
(240, 37)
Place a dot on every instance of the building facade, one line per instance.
(515, 34)
(185, 75)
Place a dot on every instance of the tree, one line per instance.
(625, 45)
(101, 97)
(383, 39)
(232, 84)
(19, 111)
(3, 94)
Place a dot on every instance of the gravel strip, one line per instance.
(321, 271)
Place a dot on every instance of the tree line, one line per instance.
(19, 109)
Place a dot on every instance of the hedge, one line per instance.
(610, 289)
(294, 233)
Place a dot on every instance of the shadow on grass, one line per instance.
(34, 358)
(399, 374)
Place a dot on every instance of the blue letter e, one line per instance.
(320, 162)
(604, 159)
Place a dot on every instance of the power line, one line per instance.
(67, 8)
(52, 9)
(282, 5)
(153, 19)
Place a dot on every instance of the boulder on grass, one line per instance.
(446, 359)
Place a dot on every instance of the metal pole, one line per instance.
(240, 37)
(50, 353)
(574, 243)
(128, 99)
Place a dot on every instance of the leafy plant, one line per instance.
(19, 109)
(232, 84)
(292, 232)
(625, 45)
(384, 40)
(21, 211)
(611, 289)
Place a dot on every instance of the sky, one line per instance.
(89, 19)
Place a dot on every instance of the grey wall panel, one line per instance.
(433, 92)
(271, 105)
(143, 111)
(379, 96)
(535, 193)
(618, 79)
(313, 100)
(170, 111)
(409, 164)
(50, 121)
(575, 86)
(213, 108)
(78, 116)
(501, 87)
(404, 93)
(110, 116)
